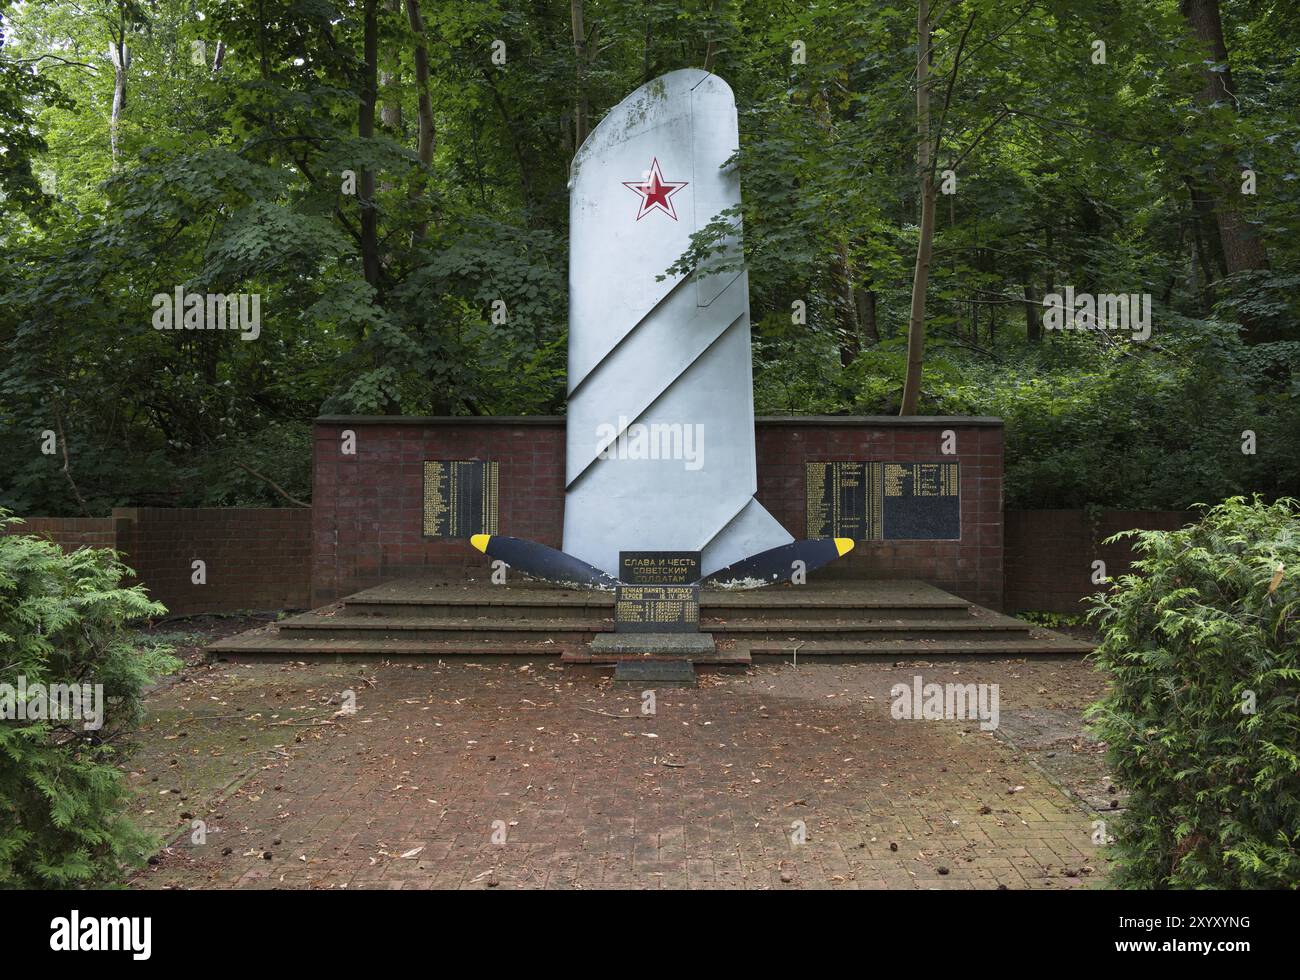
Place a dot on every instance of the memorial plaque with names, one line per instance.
(657, 609)
(659, 567)
(460, 498)
(921, 501)
(880, 501)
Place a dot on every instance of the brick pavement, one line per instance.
(508, 775)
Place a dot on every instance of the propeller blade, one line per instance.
(777, 564)
(539, 561)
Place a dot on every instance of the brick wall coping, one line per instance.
(904, 421)
(884, 421)
(502, 420)
(1104, 512)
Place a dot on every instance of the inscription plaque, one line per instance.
(657, 609)
(460, 498)
(659, 567)
(882, 501)
(921, 501)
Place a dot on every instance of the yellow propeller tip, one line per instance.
(843, 546)
(480, 541)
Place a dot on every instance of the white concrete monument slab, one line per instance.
(660, 441)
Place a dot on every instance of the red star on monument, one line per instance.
(655, 191)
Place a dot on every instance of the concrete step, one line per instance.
(709, 612)
(751, 630)
(509, 605)
(312, 626)
(515, 629)
(738, 657)
(866, 600)
(1034, 645)
(278, 646)
(900, 620)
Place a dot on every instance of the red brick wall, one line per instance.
(1049, 553)
(368, 507)
(970, 567)
(257, 558)
(69, 533)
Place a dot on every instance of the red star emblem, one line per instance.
(655, 191)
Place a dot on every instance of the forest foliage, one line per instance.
(385, 174)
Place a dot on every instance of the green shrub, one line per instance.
(1202, 722)
(63, 620)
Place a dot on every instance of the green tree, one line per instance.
(64, 621)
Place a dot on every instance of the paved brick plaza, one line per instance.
(702, 794)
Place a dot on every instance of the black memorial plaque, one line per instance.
(657, 609)
(921, 501)
(879, 501)
(659, 567)
(460, 498)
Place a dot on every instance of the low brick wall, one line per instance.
(264, 558)
(1049, 553)
(368, 506)
(70, 533)
(255, 557)
(970, 567)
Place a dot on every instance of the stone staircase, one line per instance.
(833, 620)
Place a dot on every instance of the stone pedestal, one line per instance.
(654, 673)
(655, 644)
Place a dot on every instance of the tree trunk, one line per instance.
(120, 55)
(366, 130)
(925, 243)
(1049, 286)
(424, 141)
(846, 310)
(865, 300)
(1033, 315)
(390, 109)
(390, 115)
(1207, 246)
(1242, 249)
(580, 108)
(1214, 265)
(920, 280)
(711, 51)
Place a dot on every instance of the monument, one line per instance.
(660, 453)
(668, 353)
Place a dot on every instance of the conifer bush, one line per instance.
(64, 619)
(1202, 721)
